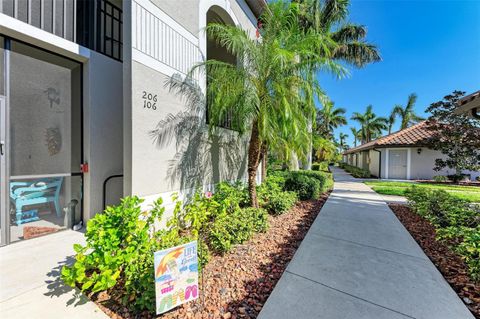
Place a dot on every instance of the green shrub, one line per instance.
(236, 228)
(325, 179)
(280, 202)
(469, 249)
(440, 178)
(356, 171)
(306, 187)
(321, 166)
(454, 219)
(119, 248)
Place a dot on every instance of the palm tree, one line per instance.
(271, 91)
(391, 121)
(407, 113)
(329, 118)
(342, 137)
(329, 17)
(356, 134)
(371, 124)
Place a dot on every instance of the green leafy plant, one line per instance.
(119, 247)
(306, 187)
(455, 220)
(440, 178)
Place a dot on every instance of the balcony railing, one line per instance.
(95, 24)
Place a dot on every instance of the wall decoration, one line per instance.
(176, 276)
(54, 140)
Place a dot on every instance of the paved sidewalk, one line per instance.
(30, 284)
(358, 261)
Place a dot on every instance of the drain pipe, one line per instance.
(379, 163)
(475, 113)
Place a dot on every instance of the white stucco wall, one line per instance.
(103, 130)
(167, 39)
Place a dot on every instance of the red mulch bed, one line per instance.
(237, 284)
(448, 262)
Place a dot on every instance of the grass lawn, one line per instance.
(470, 193)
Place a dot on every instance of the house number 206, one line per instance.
(149, 100)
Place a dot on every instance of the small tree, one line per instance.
(454, 134)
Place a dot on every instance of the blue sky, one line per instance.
(428, 47)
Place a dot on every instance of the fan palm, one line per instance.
(371, 124)
(329, 118)
(407, 113)
(271, 91)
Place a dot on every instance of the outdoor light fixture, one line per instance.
(419, 151)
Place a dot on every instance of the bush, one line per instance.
(455, 219)
(356, 171)
(440, 178)
(325, 179)
(119, 248)
(236, 228)
(280, 202)
(306, 187)
(321, 166)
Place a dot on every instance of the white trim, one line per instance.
(387, 155)
(152, 63)
(156, 11)
(36, 36)
(409, 161)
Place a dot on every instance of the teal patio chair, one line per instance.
(42, 191)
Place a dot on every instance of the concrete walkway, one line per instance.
(358, 261)
(30, 284)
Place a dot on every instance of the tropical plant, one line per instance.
(391, 121)
(324, 149)
(356, 135)
(455, 135)
(407, 113)
(329, 17)
(271, 91)
(371, 124)
(342, 138)
(329, 118)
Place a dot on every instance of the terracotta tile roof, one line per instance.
(412, 136)
(469, 98)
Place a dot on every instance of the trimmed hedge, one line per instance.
(355, 171)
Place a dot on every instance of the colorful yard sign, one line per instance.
(176, 276)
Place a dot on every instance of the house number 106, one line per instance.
(149, 100)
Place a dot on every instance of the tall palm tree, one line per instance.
(407, 113)
(330, 17)
(356, 134)
(271, 92)
(390, 121)
(371, 124)
(342, 138)
(329, 118)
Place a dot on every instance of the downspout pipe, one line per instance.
(475, 113)
(379, 163)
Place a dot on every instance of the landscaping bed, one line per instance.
(448, 262)
(237, 284)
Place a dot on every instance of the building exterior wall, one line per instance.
(102, 108)
(165, 43)
(419, 166)
(103, 130)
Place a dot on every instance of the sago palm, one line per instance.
(407, 113)
(270, 93)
